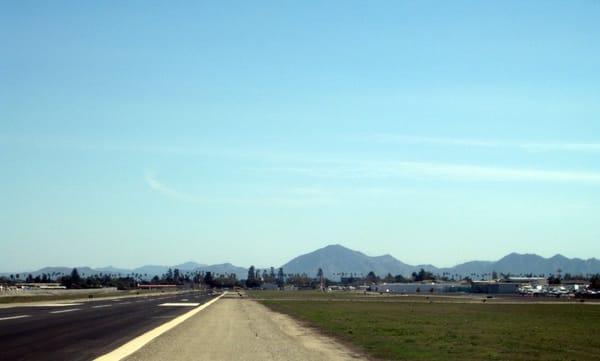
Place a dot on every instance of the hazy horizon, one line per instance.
(276, 264)
(437, 132)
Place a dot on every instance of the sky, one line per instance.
(148, 132)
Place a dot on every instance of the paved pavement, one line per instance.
(70, 330)
(241, 329)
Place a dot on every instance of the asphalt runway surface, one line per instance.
(85, 330)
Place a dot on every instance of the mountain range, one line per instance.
(337, 259)
(148, 271)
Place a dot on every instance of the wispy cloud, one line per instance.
(159, 187)
(441, 171)
(409, 139)
(481, 143)
(564, 147)
(273, 197)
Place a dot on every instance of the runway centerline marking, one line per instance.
(100, 306)
(13, 317)
(179, 304)
(69, 310)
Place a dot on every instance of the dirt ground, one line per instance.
(242, 329)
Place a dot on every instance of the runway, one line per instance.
(85, 330)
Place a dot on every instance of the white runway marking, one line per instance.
(69, 310)
(56, 304)
(139, 342)
(179, 304)
(100, 306)
(13, 317)
(184, 299)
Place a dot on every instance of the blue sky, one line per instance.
(158, 132)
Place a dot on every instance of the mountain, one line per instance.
(240, 272)
(336, 259)
(516, 263)
(87, 271)
(113, 270)
(149, 270)
(157, 270)
(189, 266)
(467, 268)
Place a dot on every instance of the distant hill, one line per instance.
(112, 270)
(154, 270)
(87, 271)
(240, 272)
(189, 266)
(149, 270)
(336, 259)
(516, 263)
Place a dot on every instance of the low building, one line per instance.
(534, 281)
(420, 288)
(493, 287)
(43, 286)
(269, 286)
(156, 287)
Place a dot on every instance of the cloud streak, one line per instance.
(439, 171)
(480, 143)
(159, 187)
(285, 197)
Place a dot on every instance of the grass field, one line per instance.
(451, 331)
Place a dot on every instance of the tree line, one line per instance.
(257, 278)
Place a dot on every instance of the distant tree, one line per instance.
(169, 276)
(280, 277)
(252, 280)
(319, 273)
(176, 275)
(208, 279)
(29, 278)
(372, 277)
(400, 279)
(75, 278)
(553, 280)
(272, 274)
(389, 278)
(595, 282)
(494, 275)
(422, 275)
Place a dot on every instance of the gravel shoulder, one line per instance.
(241, 329)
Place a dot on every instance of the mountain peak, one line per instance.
(336, 259)
(335, 247)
